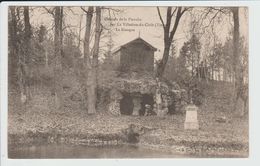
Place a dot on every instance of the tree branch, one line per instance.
(160, 16)
(176, 23)
(174, 11)
(49, 11)
(185, 9)
(84, 10)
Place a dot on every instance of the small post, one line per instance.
(191, 120)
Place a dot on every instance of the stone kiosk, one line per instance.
(139, 91)
(132, 83)
(191, 120)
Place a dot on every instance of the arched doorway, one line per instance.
(126, 104)
(146, 99)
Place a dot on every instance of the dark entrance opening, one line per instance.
(146, 99)
(126, 104)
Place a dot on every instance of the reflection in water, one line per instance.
(70, 151)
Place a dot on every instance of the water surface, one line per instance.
(79, 151)
(61, 151)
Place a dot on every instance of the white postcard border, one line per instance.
(254, 83)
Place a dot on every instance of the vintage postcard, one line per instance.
(123, 82)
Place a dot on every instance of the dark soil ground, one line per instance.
(38, 122)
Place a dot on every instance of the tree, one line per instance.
(228, 59)
(42, 33)
(79, 37)
(70, 51)
(239, 92)
(58, 37)
(188, 65)
(20, 40)
(14, 41)
(215, 59)
(91, 65)
(171, 67)
(27, 53)
(239, 97)
(244, 59)
(191, 52)
(177, 12)
(42, 39)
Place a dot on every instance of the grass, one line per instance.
(166, 133)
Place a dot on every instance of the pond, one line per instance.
(62, 151)
(77, 151)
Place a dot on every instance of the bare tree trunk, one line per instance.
(238, 100)
(90, 66)
(13, 59)
(26, 57)
(162, 63)
(79, 31)
(46, 59)
(192, 66)
(224, 75)
(87, 64)
(58, 16)
(199, 69)
(92, 76)
(212, 72)
(27, 24)
(16, 59)
(219, 74)
(205, 71)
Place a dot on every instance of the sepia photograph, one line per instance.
(123, 82)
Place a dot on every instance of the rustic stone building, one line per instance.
(135, 84)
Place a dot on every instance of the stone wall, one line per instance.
(114, 104)
(164, 95)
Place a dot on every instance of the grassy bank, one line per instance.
(38, 126)
(39, 122)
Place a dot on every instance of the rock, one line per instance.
(114, 107)
(132, 133)
(76, 96)
(115, 94)
(222, 119)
